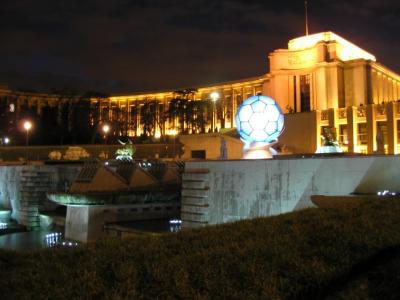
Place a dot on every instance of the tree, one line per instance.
(148, 117)
(180, 110)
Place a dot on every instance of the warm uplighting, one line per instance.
(344, 50)
(173, 132)
(106, 128)
(157, 135)
(214, 96)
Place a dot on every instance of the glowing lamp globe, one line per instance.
(259, 123)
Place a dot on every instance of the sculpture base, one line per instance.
(258, 150)
(329, 149)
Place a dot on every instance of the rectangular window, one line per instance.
(362, 133)
(343, 140)
(305, 92)
(381, 132)
(199, 154)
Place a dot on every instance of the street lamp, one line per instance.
(6, 140)
(106, 129)
(174, 133)
(27, 127)
(214, 97)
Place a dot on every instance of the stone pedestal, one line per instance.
(258, 150)
(85, 223)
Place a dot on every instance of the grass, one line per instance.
(346, 251)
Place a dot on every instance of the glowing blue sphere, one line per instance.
(259, 119)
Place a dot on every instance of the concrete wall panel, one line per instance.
(251, 188)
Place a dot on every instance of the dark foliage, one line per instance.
(302, 255)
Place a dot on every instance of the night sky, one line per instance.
(122, 46)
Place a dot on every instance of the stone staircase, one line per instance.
(195, 194)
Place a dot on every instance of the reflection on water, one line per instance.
(175, 225)
(33, 240)
(153, 226)
(52, 239)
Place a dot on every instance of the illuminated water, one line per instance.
(35, 240)
(31, 240)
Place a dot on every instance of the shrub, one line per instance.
(303, 254)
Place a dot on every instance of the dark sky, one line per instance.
(121, 46)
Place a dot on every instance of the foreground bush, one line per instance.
(308, 254)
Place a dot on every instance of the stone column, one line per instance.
(333, 121)
(352, 128)
(234, 109)
(371, 129)
(391, 124)
(333, 118)
(317, 129)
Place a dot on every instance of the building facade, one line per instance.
(320, 80)
(326, 78)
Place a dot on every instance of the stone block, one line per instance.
(187, 200)
(195, 185)
(195, 209)
(194, 217)
(195, 193)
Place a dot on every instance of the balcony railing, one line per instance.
(342, 113)
(361, 112)
(380, 109)
(324, 115)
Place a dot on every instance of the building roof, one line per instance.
(345, 49)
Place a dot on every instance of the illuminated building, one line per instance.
(320, 80)
(338, 83)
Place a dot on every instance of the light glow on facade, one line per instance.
(344, 49)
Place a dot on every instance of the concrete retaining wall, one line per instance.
(23, 189)
(222, 191)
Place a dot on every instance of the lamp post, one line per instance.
(27, 127)
(106, 129)
(214, 97)
(174, 133)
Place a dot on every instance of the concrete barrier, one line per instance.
(240, 189)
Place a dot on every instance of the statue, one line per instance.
(330, 143)
(127, 152)
(223, 151)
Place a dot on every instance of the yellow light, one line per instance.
(157, 135)
(106, 128)
(27, 125)
(173, 132)
(344, 50)
(214, 96)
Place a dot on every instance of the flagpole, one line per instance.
(306, 15)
